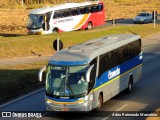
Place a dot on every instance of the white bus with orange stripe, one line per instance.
(66, 17)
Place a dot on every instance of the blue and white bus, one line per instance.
(86, 75)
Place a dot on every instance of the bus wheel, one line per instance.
(130, 84)
(99, 103)
(55, 30)
(89, 26)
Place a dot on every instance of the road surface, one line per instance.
(144, 97)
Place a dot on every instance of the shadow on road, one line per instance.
(14, 83)
(11, 35)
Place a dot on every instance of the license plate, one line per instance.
(65, 109)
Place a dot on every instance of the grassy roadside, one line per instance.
(18, 80)
(18, 46)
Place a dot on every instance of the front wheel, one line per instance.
(55, 30)
(89, 26)
(100, 101)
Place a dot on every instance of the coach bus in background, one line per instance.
(86, 75)
(66, 17)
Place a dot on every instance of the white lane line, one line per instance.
(119, 109)
(122, 107)
(22, 97)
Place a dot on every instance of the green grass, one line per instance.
(20, 45)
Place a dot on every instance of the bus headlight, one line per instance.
(81, 101)
(48, 101)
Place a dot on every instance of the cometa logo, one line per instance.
(112, 74)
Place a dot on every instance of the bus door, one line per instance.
(46, 24)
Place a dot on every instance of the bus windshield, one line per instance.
(35, 21)
(66, 81)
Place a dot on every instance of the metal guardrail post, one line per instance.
(114, 22)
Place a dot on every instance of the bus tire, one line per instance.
(55, 30)
(89, 26)
(130, 84)
(100, 101)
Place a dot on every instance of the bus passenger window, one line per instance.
(82, 11)
(86, 10)
(96, 8)
(92, 9)
(57, 15)
(66, 13)
(100, 7)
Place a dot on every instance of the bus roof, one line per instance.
(61, 6)
(84, 53)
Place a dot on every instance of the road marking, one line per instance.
(21, 97)
(119, 109)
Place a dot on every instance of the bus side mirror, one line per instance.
(41, 73)
(88, 73)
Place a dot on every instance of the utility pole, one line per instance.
(154, 18)
(22, 3)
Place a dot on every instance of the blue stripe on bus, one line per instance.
(68, 63)
(121, 68)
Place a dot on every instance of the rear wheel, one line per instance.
(130, 85)
(89, 26)
(100, 101)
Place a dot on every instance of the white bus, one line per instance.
(66, 17)
(86, 75)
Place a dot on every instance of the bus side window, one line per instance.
(132, 50)
(86, 10)
(106, 62)
(110, 60)
(92, 9)
(57, 14)
(102, 65)
(66, 13)
(120, 55)
(82, 11)
(100, 7)
(137, 47)
(126, 53)
(117, 57)
(96, 9)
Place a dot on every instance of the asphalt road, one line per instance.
(144, 97)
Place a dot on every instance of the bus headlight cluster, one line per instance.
(48, 101)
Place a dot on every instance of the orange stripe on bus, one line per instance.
(85, 17)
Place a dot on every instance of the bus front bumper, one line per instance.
(83, 107)
(36, 32)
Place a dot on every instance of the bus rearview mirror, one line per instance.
(88, 73)
(41, 73)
